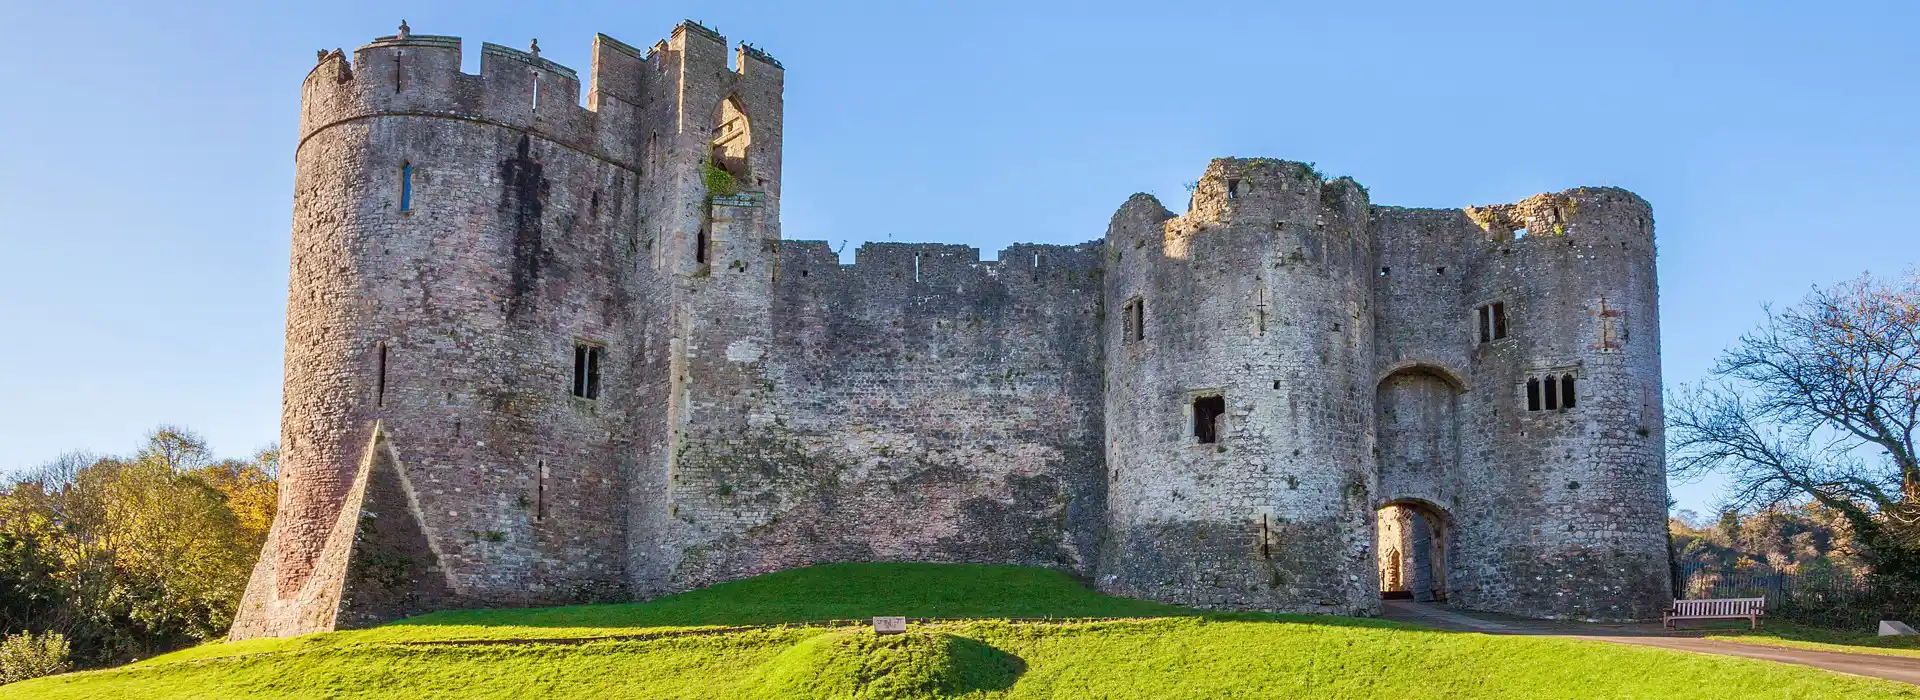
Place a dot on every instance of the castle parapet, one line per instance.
(942, 265)
(419, 75)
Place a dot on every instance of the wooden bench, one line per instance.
(1716, 609)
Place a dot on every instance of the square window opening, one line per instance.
(1209, 418)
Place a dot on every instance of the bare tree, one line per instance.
(176, 448)
(1820, 403)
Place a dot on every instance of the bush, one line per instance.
(27, 655)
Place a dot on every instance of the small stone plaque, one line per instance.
(1888, 628)
(889, 625)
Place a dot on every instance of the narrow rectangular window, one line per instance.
(1566, 390)
(1233, 189)
(586, 370)
(1499, 320)
(593, 371)
(1533, 394)
(1136, 320)
(1486, 324)
(580, 370)
(380, 381)
(703, 244)
(406, 187)
(540, 494)
(1553, 393)
(1209, 416)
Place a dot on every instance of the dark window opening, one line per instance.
(406, 187)
(1551, 393)
(1440, 270)
(1265, 551)
(1136, 320)
(1209, 417)
(1233, 189)
(1386, 271)
(586, 370)
(1492, 323)
(703, 244)
(1276, 383)
(380, 381)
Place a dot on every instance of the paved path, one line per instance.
(1905, 669)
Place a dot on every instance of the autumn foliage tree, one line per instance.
(1820, 404)
(128, 557)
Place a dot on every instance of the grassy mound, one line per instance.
(727, 642)
(860, 664)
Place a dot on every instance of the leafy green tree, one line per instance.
(130, 557)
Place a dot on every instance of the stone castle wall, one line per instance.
(460, 239)
(918, 405)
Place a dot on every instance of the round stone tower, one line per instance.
(1239, 351)
(463, 248)
(1566, 408)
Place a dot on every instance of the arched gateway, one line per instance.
(1418, 455)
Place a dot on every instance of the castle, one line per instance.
(539, 354)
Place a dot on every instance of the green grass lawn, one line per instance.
(1787, 634)
(686, 646)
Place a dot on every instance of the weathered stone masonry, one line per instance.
(462, 242)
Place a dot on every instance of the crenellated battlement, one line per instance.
(418, 75)
(943, 264)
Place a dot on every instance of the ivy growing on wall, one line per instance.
(720, 183)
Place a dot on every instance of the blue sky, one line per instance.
(146, 150)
